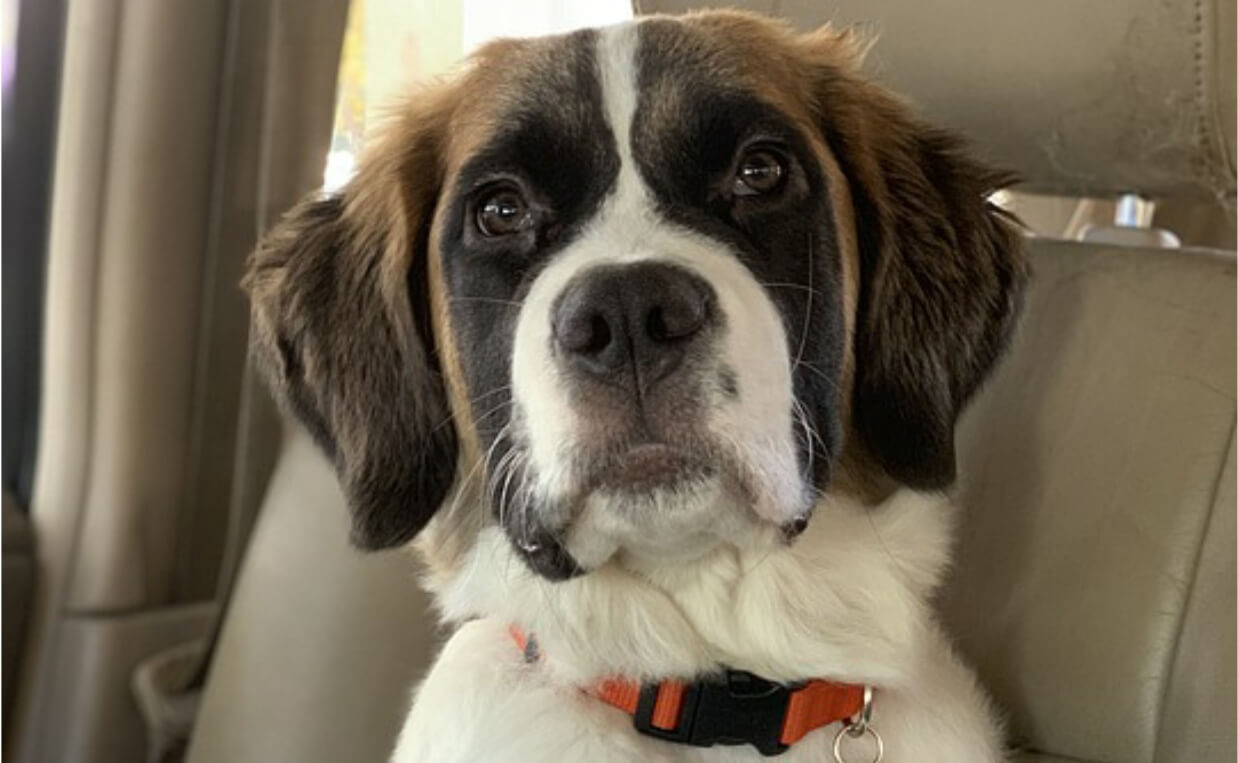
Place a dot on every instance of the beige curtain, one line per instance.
(185, 128)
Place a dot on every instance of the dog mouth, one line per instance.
(660, 496)
(649, 467)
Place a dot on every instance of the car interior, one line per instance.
(178, 582)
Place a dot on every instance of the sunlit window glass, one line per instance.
(390, 45)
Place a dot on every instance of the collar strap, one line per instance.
(734, 708)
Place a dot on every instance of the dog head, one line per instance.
(638, 291)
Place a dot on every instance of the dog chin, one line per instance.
(671, 520)
(652, 472)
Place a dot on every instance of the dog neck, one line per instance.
(848, 601)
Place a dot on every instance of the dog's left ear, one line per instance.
(341, 330)
(942, 269)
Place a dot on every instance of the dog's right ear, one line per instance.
(341, 332)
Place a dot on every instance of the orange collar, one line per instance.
(739, 709)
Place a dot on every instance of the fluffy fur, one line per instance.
(846, 315)
(849, 600)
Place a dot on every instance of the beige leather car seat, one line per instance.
(1094, 583)
(323, 644)
(1095, 587)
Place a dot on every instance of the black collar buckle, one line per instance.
(738, 708)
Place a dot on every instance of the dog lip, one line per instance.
(794, 528)
(651, 465)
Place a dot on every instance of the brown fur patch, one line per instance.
(941, 273)
(343, 341)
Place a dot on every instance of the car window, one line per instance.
(391, 45)
(30, 69)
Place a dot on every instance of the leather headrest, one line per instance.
(1088, 99)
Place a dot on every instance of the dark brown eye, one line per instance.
(760, 171)
(503, 213)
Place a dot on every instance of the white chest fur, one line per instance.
(847, 602)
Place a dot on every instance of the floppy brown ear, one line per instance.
(339, 296)
(942, 270)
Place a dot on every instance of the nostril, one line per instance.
(655, 325)
(583, 333)
(599, 336)
(676, 319)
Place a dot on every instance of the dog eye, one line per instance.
(760, 171)
(503, 213)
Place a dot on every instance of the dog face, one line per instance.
(638, 291)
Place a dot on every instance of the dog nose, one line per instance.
(641, 317)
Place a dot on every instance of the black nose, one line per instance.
(641, 318)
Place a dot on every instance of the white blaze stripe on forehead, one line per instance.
(758, 426)
(616, 58)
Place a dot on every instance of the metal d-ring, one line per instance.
(858, 727)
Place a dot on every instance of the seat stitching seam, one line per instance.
(1192, 579)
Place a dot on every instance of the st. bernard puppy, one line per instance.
(652, 339)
